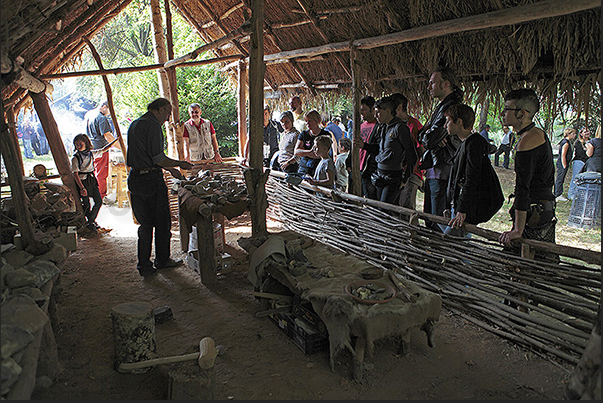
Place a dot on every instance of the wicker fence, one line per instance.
(547, 307)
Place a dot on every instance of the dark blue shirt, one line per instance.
(145, 142)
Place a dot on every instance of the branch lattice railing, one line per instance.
(475, 277)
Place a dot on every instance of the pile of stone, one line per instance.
(51, 205)
(24, 307)
(220, 193)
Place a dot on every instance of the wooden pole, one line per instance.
(255, 177)
(241, 103)
(99, 62)
(21, 77)
(159, 47)
(236, 34)
(14, 168)
(177, 149)
(137, 69)
(57, 148)
(356, 186)
(12, 128)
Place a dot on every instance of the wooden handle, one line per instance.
(157, 361)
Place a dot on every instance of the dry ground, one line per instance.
(260, 362)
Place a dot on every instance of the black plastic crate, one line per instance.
(308, 340)
(284, 321)
(304, 311)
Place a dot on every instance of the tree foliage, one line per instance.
(126, 41)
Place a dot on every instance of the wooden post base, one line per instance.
(133, 335)
(191, 382)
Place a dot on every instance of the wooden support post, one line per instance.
(356, 186)
(57, 148)
(109, 93)
(177, 146)
(255, 177)
(206, 249)
(10, 154)
(241, 106)
(528, 253)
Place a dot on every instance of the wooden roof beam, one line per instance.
(314, 20)
(292, 62)
(510, 16)
(244, 30)
(208, 11)
(226, 14)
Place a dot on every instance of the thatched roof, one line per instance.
(559, 53)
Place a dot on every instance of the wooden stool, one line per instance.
(133, 335)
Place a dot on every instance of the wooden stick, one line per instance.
(124, 70)
(236, 34)
(99, 62)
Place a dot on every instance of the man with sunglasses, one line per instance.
(533, 211)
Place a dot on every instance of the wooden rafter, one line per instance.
(510, 16)
(314, 20)
(220, 25)
(292, 63)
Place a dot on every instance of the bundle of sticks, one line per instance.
(476, 278)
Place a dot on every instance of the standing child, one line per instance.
(82, 166)
(345, 145)
(324, 175)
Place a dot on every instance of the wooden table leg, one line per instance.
(359, 348)
(429, 328)
(205, 246)
(404, 347)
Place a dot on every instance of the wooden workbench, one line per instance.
(353, 325)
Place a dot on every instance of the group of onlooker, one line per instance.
(445, 158)
(584, 155)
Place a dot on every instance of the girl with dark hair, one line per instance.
(82, 166)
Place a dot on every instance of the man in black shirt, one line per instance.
(148, 191)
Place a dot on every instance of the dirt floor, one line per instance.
(259, 362)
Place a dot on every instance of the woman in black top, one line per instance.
(593, 150)
(579, 159)
(308, 159)
(563, 160)
(533, 211)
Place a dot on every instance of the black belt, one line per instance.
(143, 171)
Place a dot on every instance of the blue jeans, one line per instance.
(576, 168)
(435, 199)
(151, 207)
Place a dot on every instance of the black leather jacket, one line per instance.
(435, 131)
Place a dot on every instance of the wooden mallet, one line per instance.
(205, 357)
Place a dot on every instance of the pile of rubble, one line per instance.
(51, 206)
(220, 193)
(24, 310)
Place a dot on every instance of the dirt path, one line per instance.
(260, 362)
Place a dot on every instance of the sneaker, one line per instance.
(560, 198)
(168, 264)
